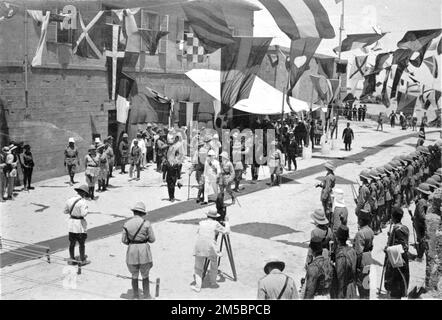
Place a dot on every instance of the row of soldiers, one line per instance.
(334, 268)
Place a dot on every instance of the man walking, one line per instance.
(135, 160)
(28, 166)
(227, 176)
(380, 122)
(77, 209)
(206, 248)
(292, 151)
(276, 285)
(212, 173)
(348, 136)
(275, 164)
(71, 159)
(137, 234)
(91, 163)
(109, 151)
(149, 138)
(393, 118)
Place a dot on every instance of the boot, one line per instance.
(146, 289)
(136, 294)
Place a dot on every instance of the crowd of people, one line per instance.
(340, 269)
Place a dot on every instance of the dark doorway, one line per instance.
(112, 130)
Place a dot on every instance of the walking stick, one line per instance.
(385, 260)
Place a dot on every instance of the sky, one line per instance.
(393, 16)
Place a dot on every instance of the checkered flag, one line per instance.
(193, 50)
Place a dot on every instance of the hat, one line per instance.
(97, 140)
(216, 136)
(5, 149)
(422, 149)
(139, 207)
(381, 170)
(330, 166)
(388, 168)
(125, 135)
(91, 147)
(110, 138)
(273, 263)
(274, 143)
(71, 140)
(364, 215)
(397, 213)
(424, 188)
(318, 217)
(211, 153)
(414, 155)
(26, 146)
(432, 182)
(101, 146)
(374, 174)
(342, 233)
(421, 134)
(224, 155)
(436, 177)
(438, 171)
(212, 213)
(149, 125)
(83, 188)
(406, 157)
(365, 174)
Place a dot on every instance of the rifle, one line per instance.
(355, 194)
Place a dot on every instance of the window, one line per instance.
(234, 31)
(164, 26)
(55, 33)
(149, 20)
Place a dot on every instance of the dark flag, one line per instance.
(240, 62)
(160, 103)
(381, 62)
(384, 94)
(151, 39)
(301, 52)
(431, 63)
(415, 40)
(369, 85)
(326, 66)
(301, 18)
(420, 58)
(406, 103)
(401, 57)
(209, 24)
(355, 41)
(439, 47)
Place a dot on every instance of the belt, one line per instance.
(77, 218)
(137, 242)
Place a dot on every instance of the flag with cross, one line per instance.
(193, 49)
(114, 60)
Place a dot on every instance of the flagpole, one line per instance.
(25, 62)
(341, 28)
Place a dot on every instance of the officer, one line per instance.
(407, 181)
(363, 200)
(420, 211)
(172, 167)
(227, 176)
(124, 152)
(397, 278)
(110, 158)
(276, 285)
(374, 191)
(389, 185)
(275, 164)
(91, 163)
(198, 160)
(327, 186)
(103, 167)
(363, 244)
(137, 234)
(71, 159)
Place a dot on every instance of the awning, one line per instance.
(263, 98)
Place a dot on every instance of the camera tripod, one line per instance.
(225, 238)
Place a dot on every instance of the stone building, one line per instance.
(68, 95)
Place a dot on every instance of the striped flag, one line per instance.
(359, 68)
(326, 88)
(431, 63)
(406, 103)
(415, 40)
(401, 58)
(301, 18)
(240, 62)
(356, 41)
(209, 24)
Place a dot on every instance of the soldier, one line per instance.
(237, 162)
(396, 277)
(110, 158)
(319, 275)
(327, 186)
(340, 212)
(124, 152)
(322, 232)
(137, 234)
(71, 159)
(345, 261)
(174, 154)
(3, 180)
(276, 285)
(206, 248)
(227, 176)
(161, 150)
(275, 164)
(374, 194)
(28, 166)
(416, 172)
(363, 245)
(363, 200)
(397, 195)
(419, 218)
(381, 196)
(198, 161)
(407, 180)
(135, 160)
(389, 185)
(433, 220)
(91, 163)
(77, 209)
(149, 138)
(212, 172)
(103, 168)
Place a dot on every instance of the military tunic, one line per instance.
(71, 159)
(363, 245)
(270, 287)
(92, 168)
(327, 187)
(419, 225)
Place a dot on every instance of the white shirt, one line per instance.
(209, 171)
(80, 210)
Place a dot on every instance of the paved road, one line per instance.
(164, 213)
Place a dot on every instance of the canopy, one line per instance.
(263, 98)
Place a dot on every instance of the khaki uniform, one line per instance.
(270, 287)
(363, 245)
(91, 163)
(137, 234)
(327, 187)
